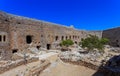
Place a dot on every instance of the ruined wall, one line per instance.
(43, 33)
(19, 31)
(22, 33)
(113, 35)
(4, 37)
(97, 33)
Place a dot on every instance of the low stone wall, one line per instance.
(38, 69)
(82, 63)
(14, 64)
(99, 69)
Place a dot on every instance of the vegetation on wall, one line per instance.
(93, 42)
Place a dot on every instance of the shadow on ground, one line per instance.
(111, 67)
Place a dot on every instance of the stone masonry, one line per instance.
(18, 33)
(113, 35)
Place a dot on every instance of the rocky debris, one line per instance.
(56, 51)
(35, 71)
(107, 62)
(94, 57)
(65, 55)
(114, 49)
(76, 47)
(7, 65)
(76, 56)
(42, 49)
(16, 57)
(2, 62)
(33, 50)
(42, 52)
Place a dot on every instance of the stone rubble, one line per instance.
(95, 57)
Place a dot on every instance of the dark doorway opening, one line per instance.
(117, 43)
(14, 51)
(66, 37)
(56, 38)
(48, 46)
(75, 42)
(28, 39)
(117, 40)
(0, 38)
(4, 38)
(38, 47)
(62, 38)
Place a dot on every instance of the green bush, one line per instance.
(67, 43)
(104, 40)
(93, 41)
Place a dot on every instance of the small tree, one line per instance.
(93, 41)
(67, 43)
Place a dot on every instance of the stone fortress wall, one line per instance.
(113, 35)
(18, 33)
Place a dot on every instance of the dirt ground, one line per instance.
(19, 71)
(58, 68)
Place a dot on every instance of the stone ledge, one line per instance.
(16, 64)
(38, 69)
(82, 63)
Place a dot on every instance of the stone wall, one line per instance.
(38, 69)
(6, 67)
(113, 35)
(44, 34)
(82, 63)
(4, 37)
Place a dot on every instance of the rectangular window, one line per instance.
(29, 39)
(0, 38)
(4, 38)
(56, 38)
(62, 38)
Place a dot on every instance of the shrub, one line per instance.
(93, 41)
(104, 40)
(67, 43)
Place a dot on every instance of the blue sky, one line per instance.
(83, 14)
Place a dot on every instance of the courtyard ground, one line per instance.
(19, 71)
(58, 68)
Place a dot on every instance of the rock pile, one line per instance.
(76, 56)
